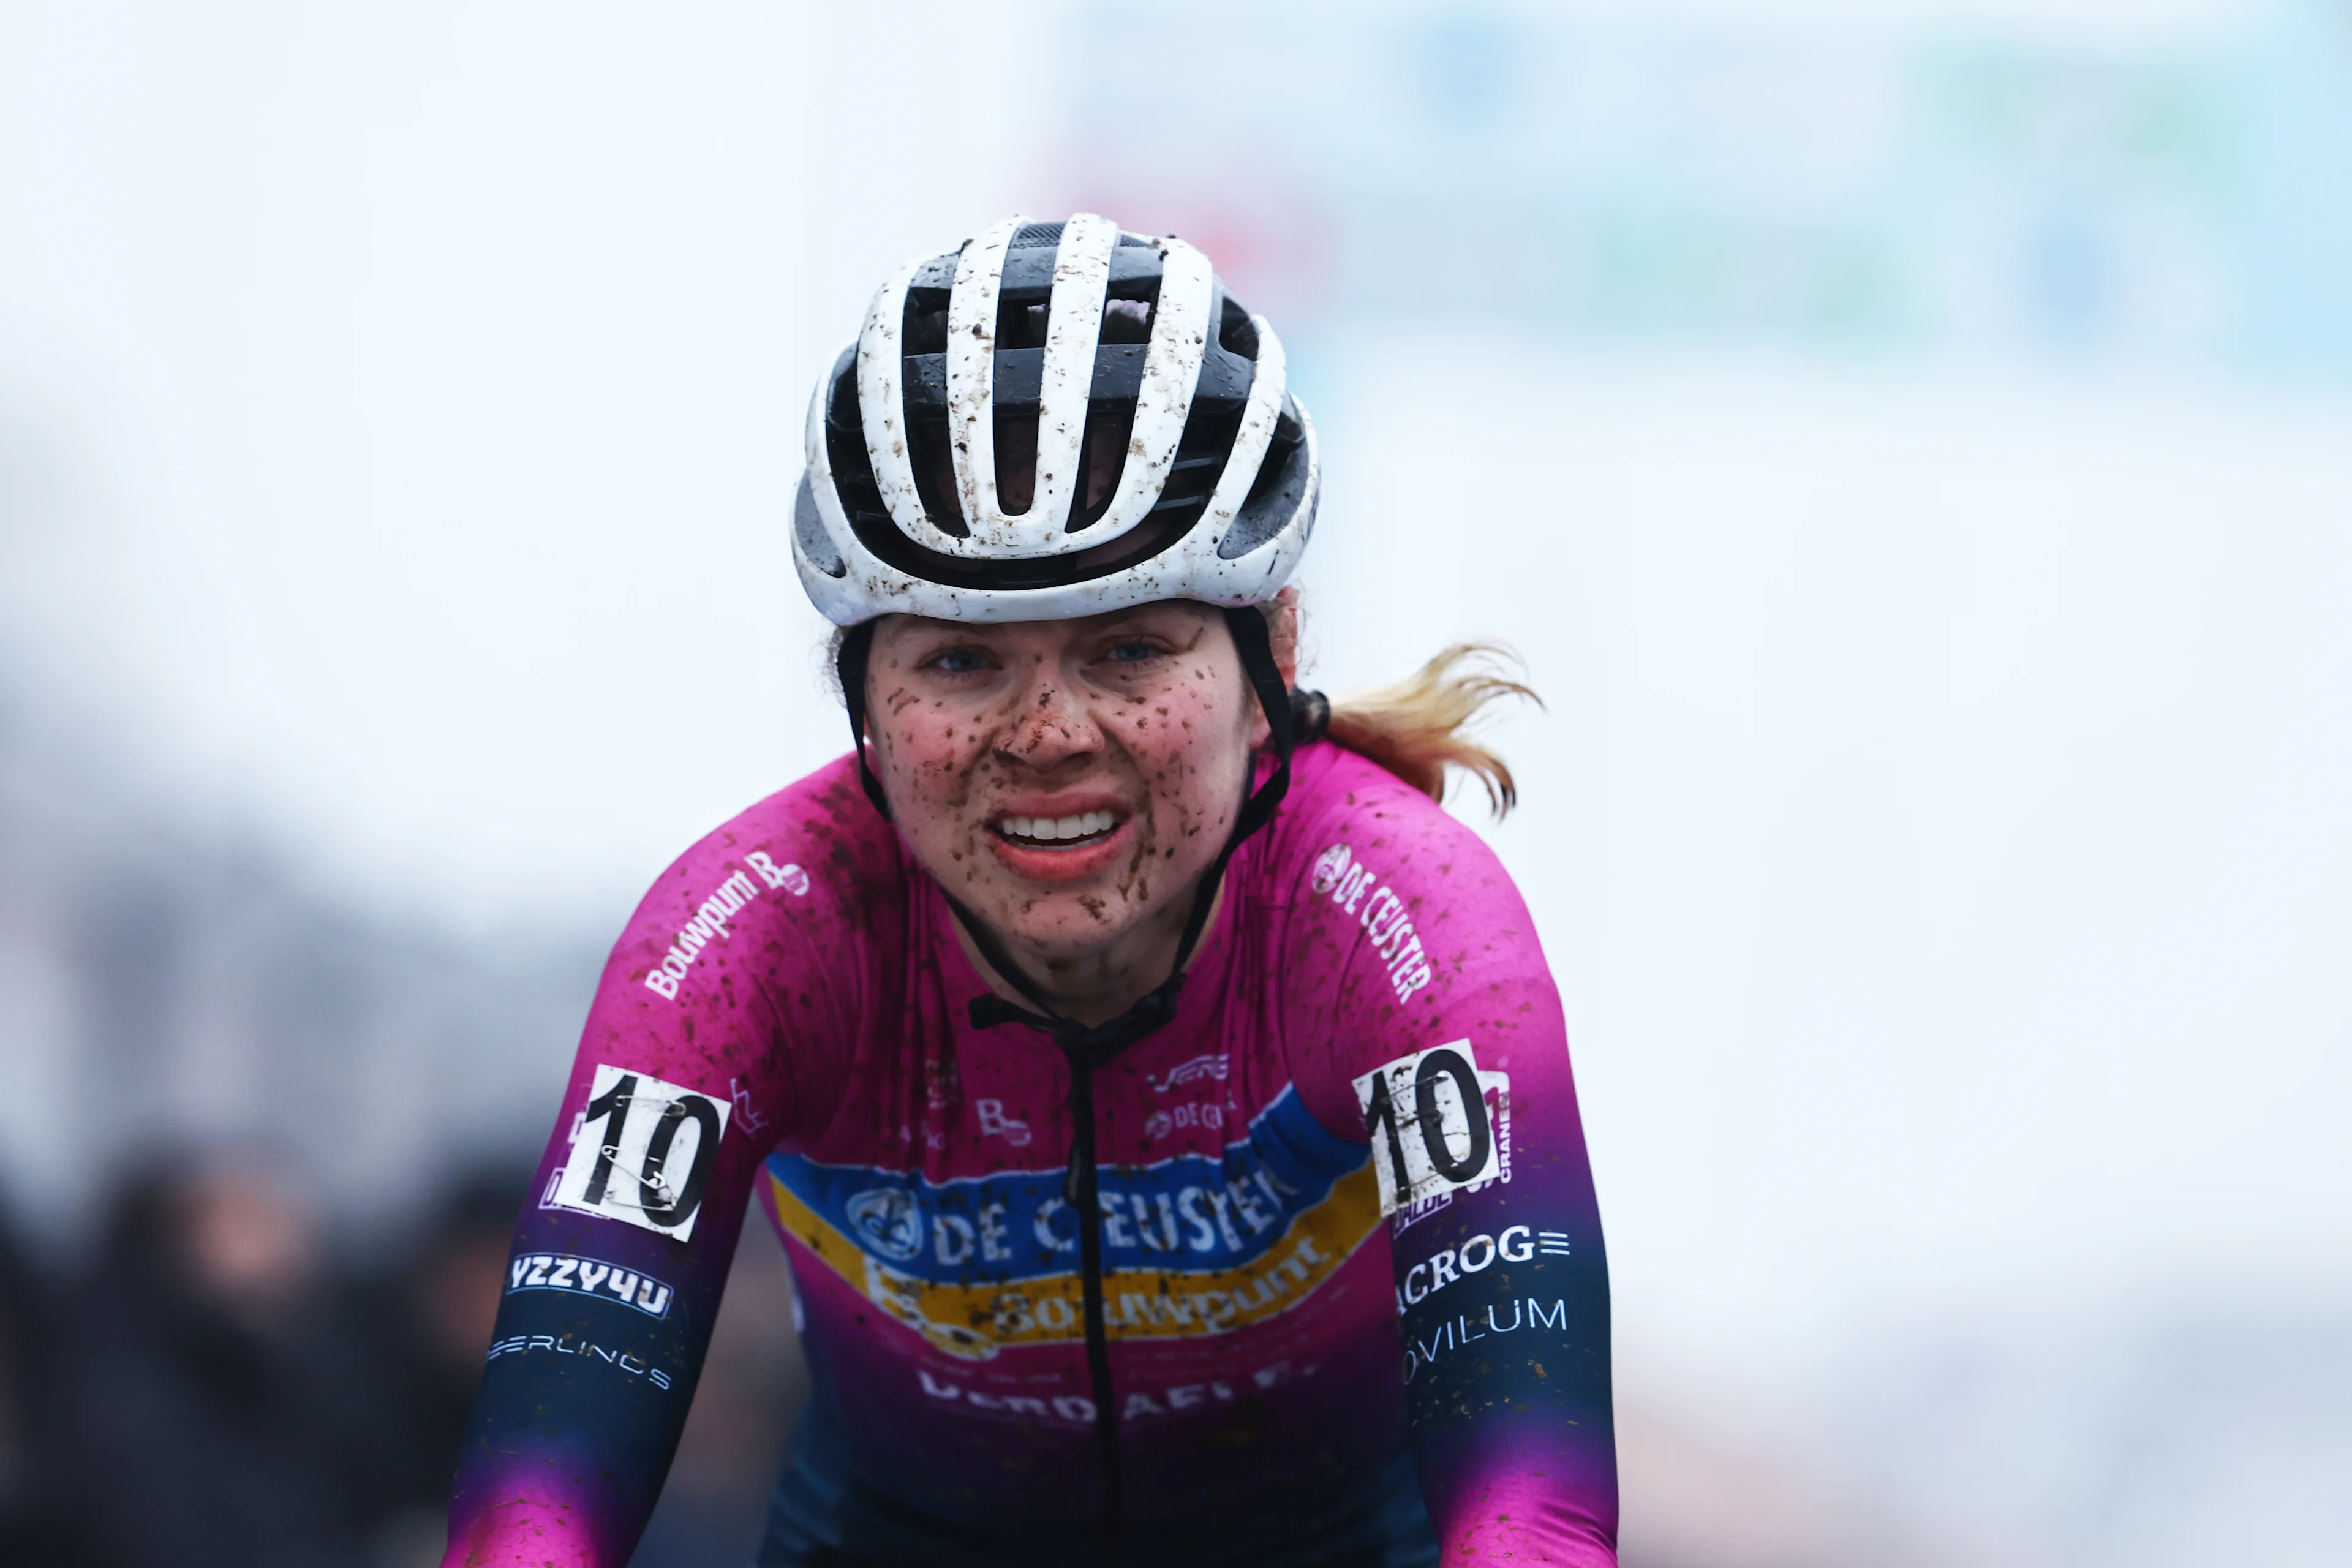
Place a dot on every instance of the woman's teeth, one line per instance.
(1049, 830)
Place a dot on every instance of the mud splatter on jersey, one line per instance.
(1347, 1215)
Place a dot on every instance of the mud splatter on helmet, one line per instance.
(1054, 420)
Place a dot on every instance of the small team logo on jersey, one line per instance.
(1330, 867)
(587, 1276)
(995, 1123)
(1200, 1113)
(1215, 1066)
(788, 877)
(887, 1220)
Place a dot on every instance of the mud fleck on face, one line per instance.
(1067, 780)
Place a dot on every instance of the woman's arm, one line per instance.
(1503, 1292)
(600, 1339)
(679, 1089)
(1446, 1043)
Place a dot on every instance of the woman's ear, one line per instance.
(1282, 632)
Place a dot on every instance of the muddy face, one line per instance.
(1068, 781)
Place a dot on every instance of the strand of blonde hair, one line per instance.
(1419, 727)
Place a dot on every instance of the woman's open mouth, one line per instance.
(1066, 846)
(1081, 831)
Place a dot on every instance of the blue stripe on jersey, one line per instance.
(1187, 1211)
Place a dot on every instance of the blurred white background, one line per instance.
(1911, 443)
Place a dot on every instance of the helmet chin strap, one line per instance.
(849, 662)
(1089, 1045)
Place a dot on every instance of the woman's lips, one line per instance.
(1077, 826)
(1066, 847)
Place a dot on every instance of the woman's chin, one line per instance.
(1062, 924)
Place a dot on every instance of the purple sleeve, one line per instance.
(695, 1063)
(1429, 1019)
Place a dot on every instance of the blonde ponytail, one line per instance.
(1416, 729)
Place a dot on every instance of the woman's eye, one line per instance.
(1133, 653)
(959, 661)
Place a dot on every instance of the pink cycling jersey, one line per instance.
(1349, 1235)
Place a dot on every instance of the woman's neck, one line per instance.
(1097, 986)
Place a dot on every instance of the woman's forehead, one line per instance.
(1158, 610)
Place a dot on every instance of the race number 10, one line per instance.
(1430, 1128)
(644, 1151)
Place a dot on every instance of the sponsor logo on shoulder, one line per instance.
(1438, 1126)
(588, 1277)
(1380, 910)
(641, 1152)
(711, 917)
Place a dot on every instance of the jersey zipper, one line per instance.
(1082, 1188)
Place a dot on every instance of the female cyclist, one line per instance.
(1166, 1110)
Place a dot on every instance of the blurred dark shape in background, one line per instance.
(31, 1524)
(221, 1385)
(220, 1403)
(752, 1388)
(266, 1149)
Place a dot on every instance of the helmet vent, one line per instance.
(1281, 484)
(924, 331)
(927, 325)
(1236, 333)
(1127, 321)
(1016, 459)
(1021, 323)
(808, 529)
(1102, 457)
(935, 485)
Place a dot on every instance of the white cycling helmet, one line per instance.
(1056, 420)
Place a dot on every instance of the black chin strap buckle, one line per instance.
(989, 1010)
(1092, 1044)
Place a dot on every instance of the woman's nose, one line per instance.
(1054, 725)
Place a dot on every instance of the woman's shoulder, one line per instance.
(1344, 810)
(823, 822)
(1395, 924)
(1362, 853)
(821, 826)
(815, 854)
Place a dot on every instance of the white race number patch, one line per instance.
(644, 1151)
(1431, 1131)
